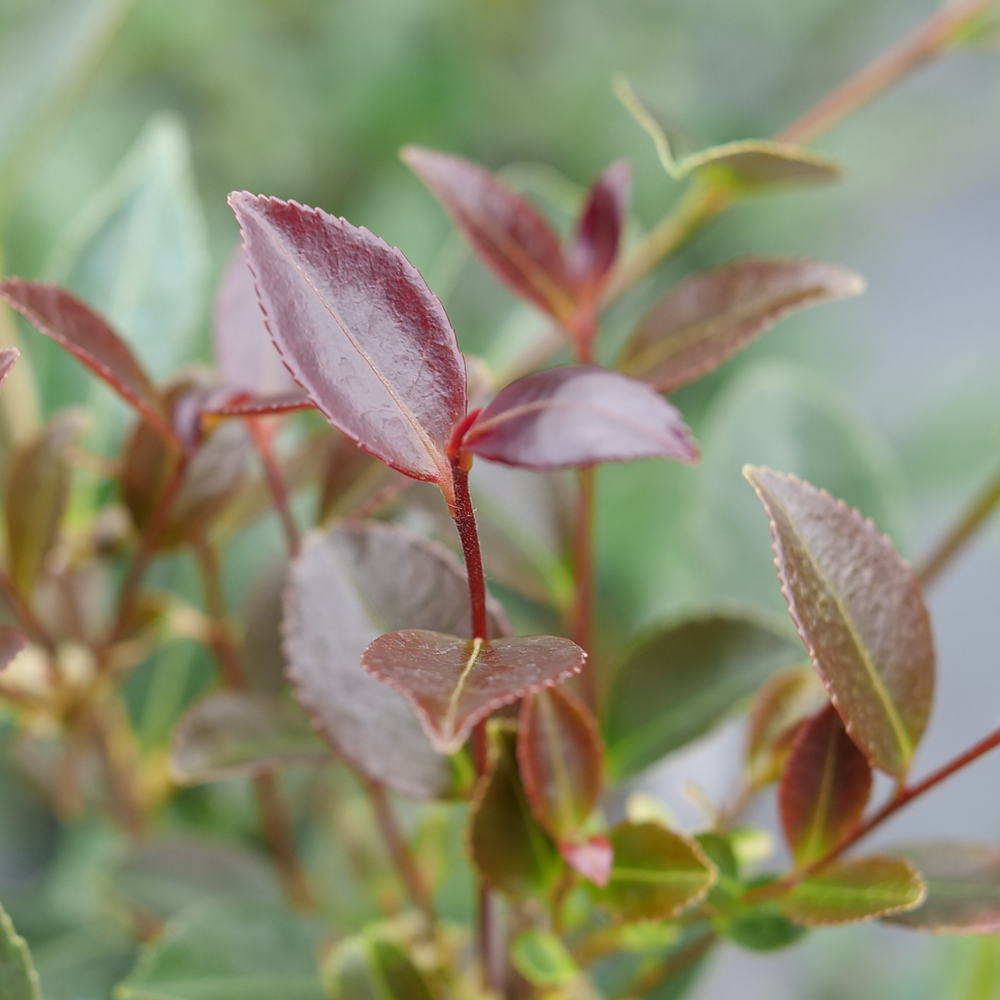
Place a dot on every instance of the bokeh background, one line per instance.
(890, 400)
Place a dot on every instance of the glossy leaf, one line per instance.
(18, 978)
(592, 858)
(656, 873)
(37, 491)
(507, 846)
(244, 353)
(963, 887)
(707, 318)
(594, 248)
(359, 330)
(778, 710)
(543, 959)
(76, 327)
(859, 610)
(507, 233)
(683, 678)
(561, 758)
(373, 967)
(578, 416)
(348, 586)
(453, 683)
(845, 892)
(234, 734)
(229, 951)
(137, 251)
(825, 787)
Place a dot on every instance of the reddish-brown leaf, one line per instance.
(244, 354)
(577, 416)
(859, 610)
(248, 404)
(592, 858)
(508, 234)
(825, 787)
(359, 330)
(594, 247)
(708, 317)
(77, 328)
(453, 683)
(12, 642)
(561, 756)
(8, 355)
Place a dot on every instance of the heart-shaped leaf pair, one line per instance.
(519, 246)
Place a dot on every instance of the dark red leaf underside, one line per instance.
(507, 233)
(453, 683)
(594, 248)
(77, 328)
(578, 416)
(8, 355)
(359, 330)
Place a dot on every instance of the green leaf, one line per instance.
(137, 251)
(762, 929)
(859, 610)
(846, 892)
(681, 679)
(18, 979)
(84, 964)
(373, 967)
(656, 873)
(963, 887)
(508, 847)
(229, 951)
(543, 959)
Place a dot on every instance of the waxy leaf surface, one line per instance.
(373, 967)
(963, 887)
(561, 756)
(578, 416)
(680, 680)
(825, 787)
(845, 892)
(38, 481)
(234, 734)
(18, 978)
(656, 873)
(594, 247)
(507, 846)
(360, 331)
(77, 328)
(453, 683)
(707, 318)
(859, 610)
(348, 586)
(507, 233)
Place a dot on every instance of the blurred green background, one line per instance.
(889, 400)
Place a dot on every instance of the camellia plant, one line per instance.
(398, 718)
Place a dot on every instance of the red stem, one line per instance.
(465, 522)
(275, 481)
(584, 580)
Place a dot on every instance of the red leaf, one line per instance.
(576, 416)
(78, 329)
(593, 859)
(8, 355)
(824, 788)
(508, 234)
(453, 683)
(244, 353)
(592, 253)
(360, 331)
(561, 757)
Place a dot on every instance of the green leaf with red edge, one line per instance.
(655, 875)
(963, 887)
(824, 788)
(508, 234)
(845, 892)
(778, 711)
(76, 327)
(37, 491)
(578, 416)
(511, 852)
(561, 757)
(347, 586)
(453, 683)
(359, 330)
(708, 317)
(593, 250)
(859, 610)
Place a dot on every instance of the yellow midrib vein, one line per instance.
(448, 725)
